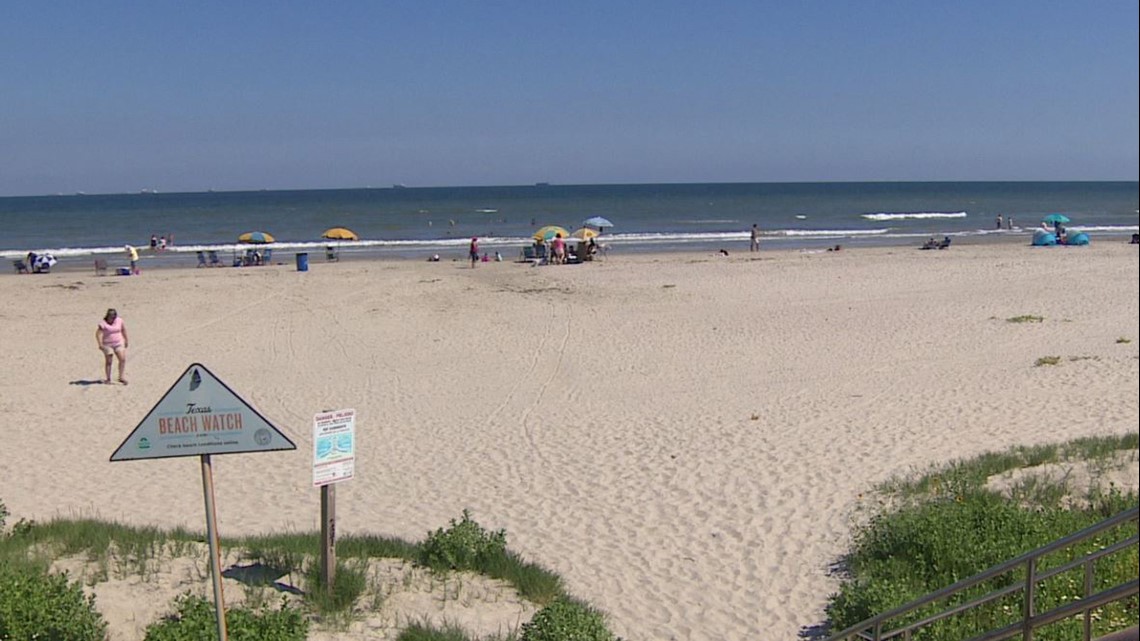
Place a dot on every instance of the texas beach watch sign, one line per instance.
(201, 415)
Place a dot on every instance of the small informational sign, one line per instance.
(334, 447)
(201, 415)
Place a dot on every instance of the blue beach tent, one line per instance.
(1043, 238)
(1079, 238)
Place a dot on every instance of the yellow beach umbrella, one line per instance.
(340, 233)
(549, 232)
(584, 233)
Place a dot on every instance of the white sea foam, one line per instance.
(903, 215)
(1108, 228)
(832, 233)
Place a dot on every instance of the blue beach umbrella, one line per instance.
(1053, 219)
(597, 221)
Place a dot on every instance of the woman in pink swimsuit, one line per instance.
(111, 337)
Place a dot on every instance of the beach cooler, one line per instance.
(302, 261)
(124, 271)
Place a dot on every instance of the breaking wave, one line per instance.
(903, 215)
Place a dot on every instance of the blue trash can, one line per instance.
(303, 262)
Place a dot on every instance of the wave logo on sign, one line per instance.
(195, 380)
(337, 445)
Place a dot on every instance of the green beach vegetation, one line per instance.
(920, 533)
(284, 597)
(927, 531)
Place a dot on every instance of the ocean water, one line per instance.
(408, 222)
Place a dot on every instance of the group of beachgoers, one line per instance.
(1008, 222)
(561, 253)
(160, 243)
(1058, 230)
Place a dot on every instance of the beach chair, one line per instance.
(331, 255)
(202, 259)
(945, 242)
(100, 267)
(267, 257)
(214, 262)
(528, 253)
(21, 267)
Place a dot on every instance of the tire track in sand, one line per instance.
(539, 357)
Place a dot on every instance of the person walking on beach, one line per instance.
(473, 252)
(999, 221)
(111, 337)
(754, 243)
(1009, 222)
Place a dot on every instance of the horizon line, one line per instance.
(542, 185)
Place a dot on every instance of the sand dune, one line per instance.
(683, 437)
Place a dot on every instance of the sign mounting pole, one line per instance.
(334, 456)
(328, 536)
(215, 553)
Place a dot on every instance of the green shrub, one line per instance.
(194, 621)
(463, 546)
(566, 620)
(36, 605)
(3, 515)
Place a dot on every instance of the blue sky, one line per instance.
(172, 96)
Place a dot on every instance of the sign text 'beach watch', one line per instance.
(201, 415)
(334, 447)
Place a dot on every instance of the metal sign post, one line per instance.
(201, 416)
(334, 456)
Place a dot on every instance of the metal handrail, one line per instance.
(872, 629)
(1073, 608)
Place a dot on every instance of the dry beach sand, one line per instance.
(683, 437)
